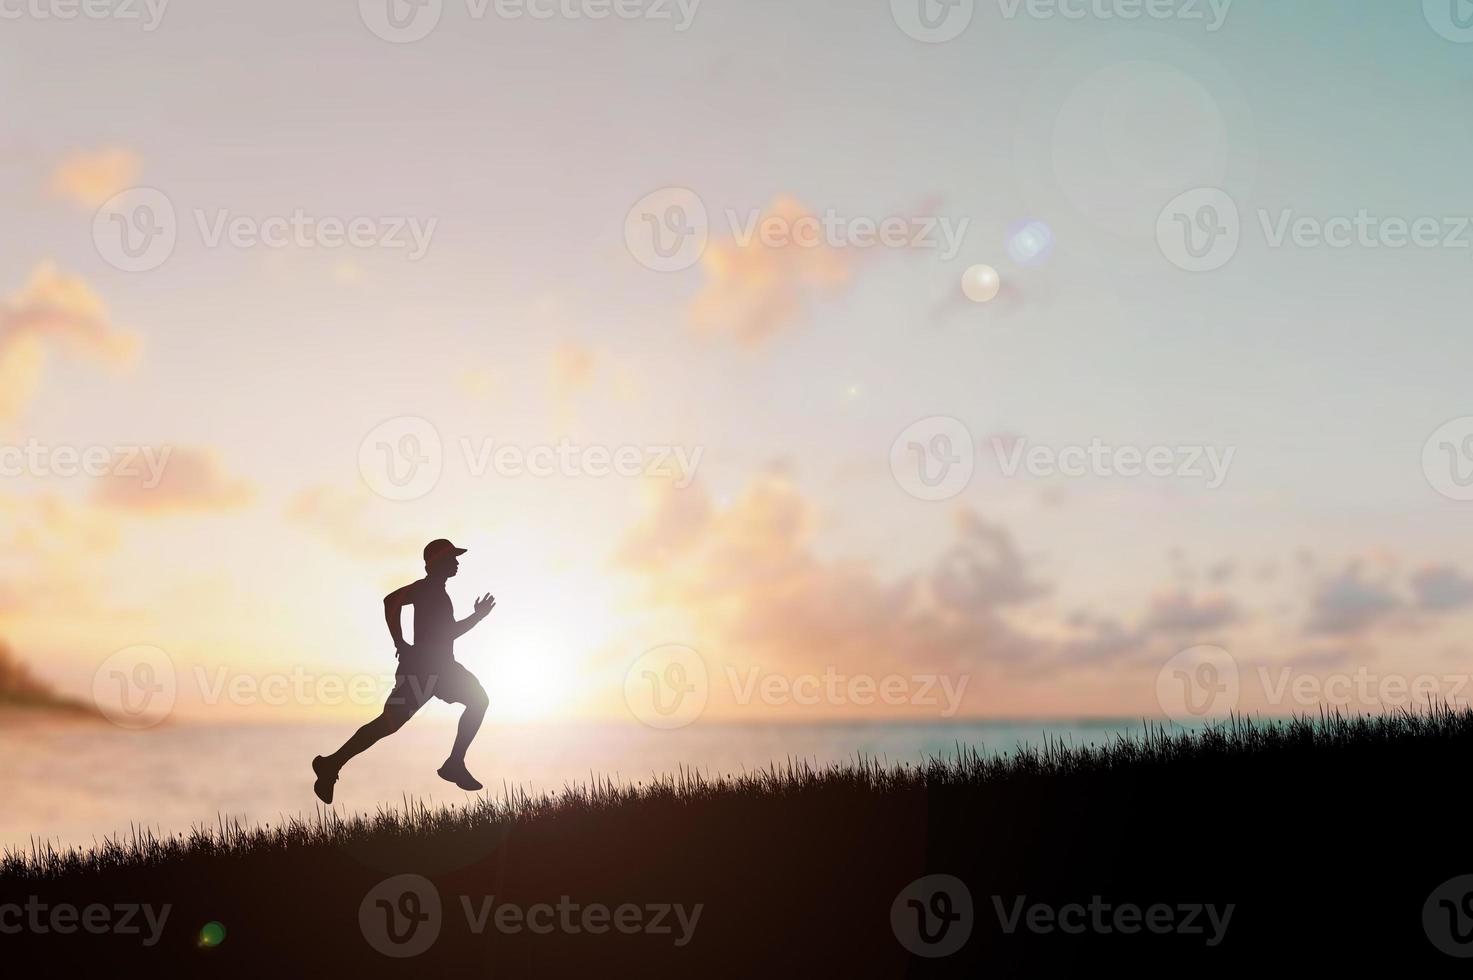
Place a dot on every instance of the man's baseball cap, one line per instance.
(440, 548)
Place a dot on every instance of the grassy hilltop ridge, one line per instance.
(1317, 842)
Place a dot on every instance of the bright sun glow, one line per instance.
(540, 644)
(534, 686)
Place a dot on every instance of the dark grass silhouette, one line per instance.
(1326, 834)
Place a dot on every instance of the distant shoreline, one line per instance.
(22, 695)
(19, 708)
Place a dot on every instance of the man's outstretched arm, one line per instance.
(484, 605)
(394, 604)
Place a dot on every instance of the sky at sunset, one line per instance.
(765, 520)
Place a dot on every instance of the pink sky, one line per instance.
(245, 400)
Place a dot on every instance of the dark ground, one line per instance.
(1327, 841)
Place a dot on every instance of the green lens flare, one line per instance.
(213, 934)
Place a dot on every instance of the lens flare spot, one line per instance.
(1030, 242)
(981, 283)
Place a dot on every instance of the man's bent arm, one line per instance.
(464, 626)
(394, 604)
(484, 605)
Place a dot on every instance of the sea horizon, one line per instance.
(80, 783)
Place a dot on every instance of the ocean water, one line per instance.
(75, 784)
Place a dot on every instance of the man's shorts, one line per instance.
(445, 679)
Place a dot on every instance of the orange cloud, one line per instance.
(750, 576)
(36, 526)
(343, 519)
(185, 480)
(52, 309)
(49, 552)
(673, 529)
(755, 587)
(754, 290)
(90, 177)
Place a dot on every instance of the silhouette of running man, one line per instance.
(427, 669)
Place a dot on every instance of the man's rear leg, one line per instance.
(398, 709)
